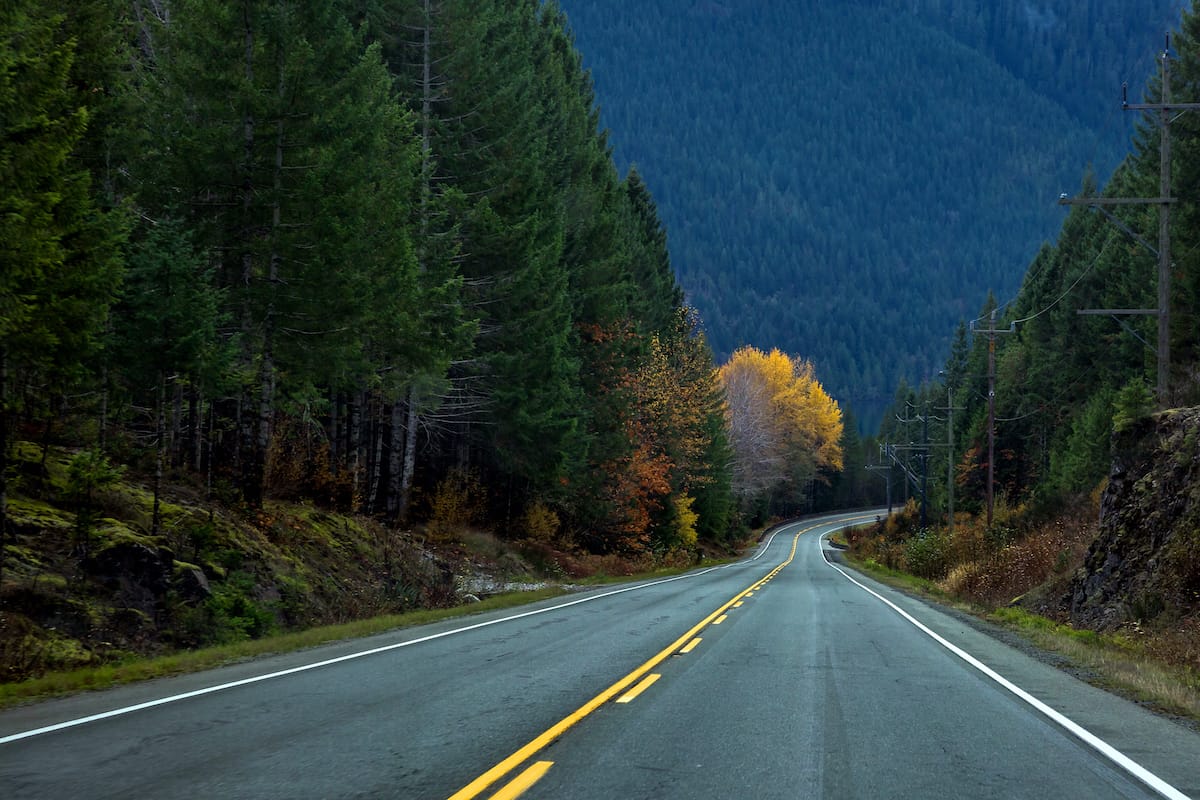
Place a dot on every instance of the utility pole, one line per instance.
(920, 483)
(992, 333)
(922, 451)
(925, 470)
(950, 409)
(887, 475)
(1164, 201)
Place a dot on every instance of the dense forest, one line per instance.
(372, 256)
(1064, 382)
(845, 180)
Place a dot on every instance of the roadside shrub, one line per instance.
(969, 541)
(299, 466)
(904, 523)
(1177, 643)
(89, 472)
(927, 554)
(539, 523)
(962, 578)
(230, 614)
(456, 503)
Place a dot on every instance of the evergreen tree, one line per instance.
(166, 331)
(60, 259)
(305, 194)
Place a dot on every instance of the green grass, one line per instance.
(1117, 660)
(898, 579)
(104, 676)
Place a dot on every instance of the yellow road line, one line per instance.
(641, 687)
(517, 786)
(541, 741)
(720, 619)
(738, 604)
(690, 646)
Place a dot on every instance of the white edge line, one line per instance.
(350, 657)
(1087, 737)
(116, 712)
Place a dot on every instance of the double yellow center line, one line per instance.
(537, 770)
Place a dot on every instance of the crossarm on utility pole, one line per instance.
(992, 333)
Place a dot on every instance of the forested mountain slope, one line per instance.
(845, 180)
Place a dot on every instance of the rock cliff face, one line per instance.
(1146, 560)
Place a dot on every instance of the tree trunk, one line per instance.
(262, 441)
(410, 455)
(355, 449)
(208, 467)
(104, 405)
(395, 454)
(176, 424)
(335, 446)
(195, 427)
(252, 461)
(250, 457)
(3, 456)
(376, 457)
(267, 388)
(160, 402)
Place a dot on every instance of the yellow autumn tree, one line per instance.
(784, 427)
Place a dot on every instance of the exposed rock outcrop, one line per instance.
(1146, 559)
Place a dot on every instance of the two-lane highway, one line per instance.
(775, 676)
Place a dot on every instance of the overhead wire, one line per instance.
(1098, 138)
(1070, 288)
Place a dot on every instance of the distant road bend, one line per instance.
(782, 675)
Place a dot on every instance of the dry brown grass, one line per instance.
(995, 576)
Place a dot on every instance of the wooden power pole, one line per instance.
(1165, 108)
(992, 332)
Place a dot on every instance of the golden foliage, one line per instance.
(540, 524)
(685, 520)
(783, 424)
(456, 503)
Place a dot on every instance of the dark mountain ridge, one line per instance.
(847, 180)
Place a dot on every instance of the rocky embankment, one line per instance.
(1145, 562)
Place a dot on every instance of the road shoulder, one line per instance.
(1163, 744)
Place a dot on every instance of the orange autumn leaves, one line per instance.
(658, 402)
(784, 428)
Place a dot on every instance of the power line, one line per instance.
(1165, 108)
(1070, 288)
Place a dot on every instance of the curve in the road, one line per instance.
(539, 743)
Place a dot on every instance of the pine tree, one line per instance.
(60, 262)
(166, 330)
(305, 193)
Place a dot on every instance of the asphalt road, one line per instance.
(814, 683)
